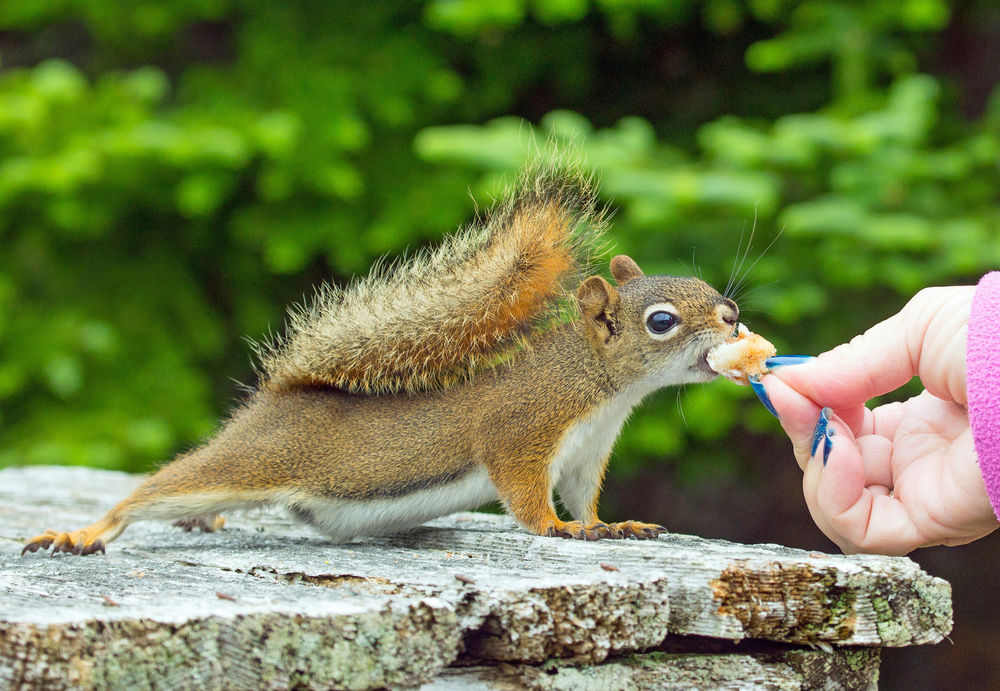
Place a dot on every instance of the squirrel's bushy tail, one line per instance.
(433, 319)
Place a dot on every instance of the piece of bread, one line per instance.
(742, 356)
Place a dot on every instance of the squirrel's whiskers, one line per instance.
(737, 287)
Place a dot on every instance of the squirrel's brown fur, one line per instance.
(436, 318)
(454, 435)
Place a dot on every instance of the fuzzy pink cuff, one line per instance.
(982, 375)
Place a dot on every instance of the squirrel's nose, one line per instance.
(729, 312)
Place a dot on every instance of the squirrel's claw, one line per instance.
(40, 542)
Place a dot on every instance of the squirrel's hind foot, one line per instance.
(87, 540)
(77, 542)
(206, 524)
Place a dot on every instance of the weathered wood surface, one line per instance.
(269, 603)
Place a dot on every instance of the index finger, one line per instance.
(874, 363)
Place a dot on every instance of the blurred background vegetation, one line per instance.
(174, 174)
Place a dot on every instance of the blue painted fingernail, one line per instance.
(819, 433)
(783, 360)
(761, 392)
(828, 444)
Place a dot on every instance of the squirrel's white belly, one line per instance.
(578, 464)
(343, 519)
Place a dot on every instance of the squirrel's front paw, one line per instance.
(577, 530)
(640, 531)
(77, 542)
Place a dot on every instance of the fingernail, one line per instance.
(819, 432)
(761, 392)
(783, 360)
(828, 444)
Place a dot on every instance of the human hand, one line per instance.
(903, 475)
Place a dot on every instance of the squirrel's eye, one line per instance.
(660, 322)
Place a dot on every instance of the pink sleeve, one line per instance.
(982, 374)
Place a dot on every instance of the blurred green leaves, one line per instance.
(152, 215)
(173, 174)
(858, 39)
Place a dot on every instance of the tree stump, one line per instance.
(469, 601)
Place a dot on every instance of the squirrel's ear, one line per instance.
(598, 302)
(624, 269)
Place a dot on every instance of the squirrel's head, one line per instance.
(654, 329)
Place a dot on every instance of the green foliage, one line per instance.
(186, 169)
(858, 39)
